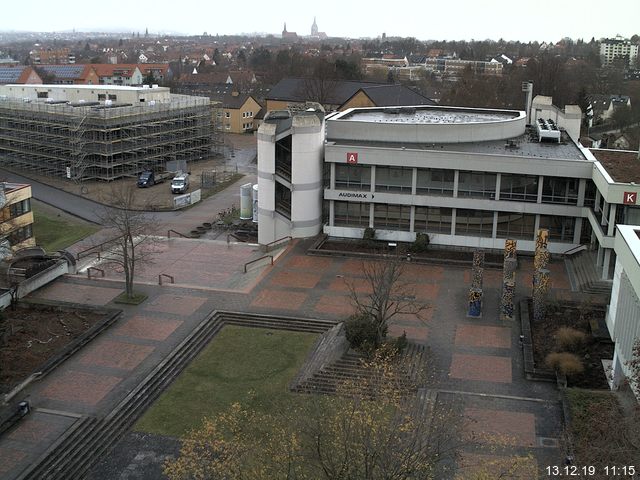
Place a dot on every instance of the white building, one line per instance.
(623, 314)
(618, 48)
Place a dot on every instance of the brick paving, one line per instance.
(500, 427)
(479, 361)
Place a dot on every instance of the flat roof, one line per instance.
(623, 166)
(521, 146)
(427, 115)
(85, 87)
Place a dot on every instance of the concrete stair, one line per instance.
(585, 276)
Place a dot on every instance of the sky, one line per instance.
(424, 19)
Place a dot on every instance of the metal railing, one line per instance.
(579, 248)
(177, 233)
(268, 246)
(170, 277)
(96, 269)
(100, 248)
(256, 260)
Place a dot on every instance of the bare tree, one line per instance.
(386, 295)
(133, 233)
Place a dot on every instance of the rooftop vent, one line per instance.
(547, 130)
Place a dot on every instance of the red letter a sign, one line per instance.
(352, 158)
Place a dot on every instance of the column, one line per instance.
(456, 179)
(606, 263)
(611, 230)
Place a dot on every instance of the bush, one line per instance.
(401, 342)
(565, 363)
(421, 243)
(369, 237)
(569, 339)
(361, 333)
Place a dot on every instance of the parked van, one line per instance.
(180, 183)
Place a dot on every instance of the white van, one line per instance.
(180, 183)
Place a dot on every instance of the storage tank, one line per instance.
(255, 203)
(246, 204)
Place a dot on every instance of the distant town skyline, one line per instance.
(451, 20)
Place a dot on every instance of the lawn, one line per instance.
(53, 233)
(248, 365)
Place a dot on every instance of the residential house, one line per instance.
(238, 112)
(601, 107)
(294, 93)
(118, 74)
(68, 74)
(19, 75)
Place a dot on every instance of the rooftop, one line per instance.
(622, 165)
(520, 146)
(427, 115)
(125, 88)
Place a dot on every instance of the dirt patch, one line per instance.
(586, 319)
(31, 335)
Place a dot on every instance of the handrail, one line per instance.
(266, 247)
(170, 277)
(96, 269)
(257, 259)
(100, 246)
(232, 235)
(573, 250)
(175, 231)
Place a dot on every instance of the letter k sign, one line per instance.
(630, 198)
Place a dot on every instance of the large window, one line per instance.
(560, 228)
(392, 217)
(516, 225)
(560, 190)
(433, 181)
(15, 210)
(477, 185)
(522, 188)
(590, 194)
(394, 179)
(353, 177)
(433, 220)
(20, 235)
(477, 223)
(350, 214)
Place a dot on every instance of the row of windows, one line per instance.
(15, 210)
(247, 114)
(430, 181)
(20, 235)
(474, 223)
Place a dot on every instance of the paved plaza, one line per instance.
(477, 362)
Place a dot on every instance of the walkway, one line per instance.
(478, 361)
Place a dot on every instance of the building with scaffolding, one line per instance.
(101, 132)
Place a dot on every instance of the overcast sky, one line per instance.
(424, 19)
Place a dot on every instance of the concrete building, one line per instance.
(290, 171)
(16, 218)
(619, 48)
(100, 132)
(467, 177)
(623, 314)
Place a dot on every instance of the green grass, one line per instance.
(53, 233)
(247, 365)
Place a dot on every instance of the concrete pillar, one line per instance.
(578, 230)
(373, 179)
(599, 256)
(494, 229)
(536, 227)
(540, 185)
(332, 179)
(371, 215)
(582, 188)
(414, 183)
(456, 179)
(606, 263)
(498, 181)
(611, 230)
(453, 218)
(412, 221)
(332, 213)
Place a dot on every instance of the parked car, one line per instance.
(180, 183)
(149, 178)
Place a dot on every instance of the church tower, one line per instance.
(314, 28)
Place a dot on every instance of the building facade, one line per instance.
(16, 218)
(618, 49)
(100, 132)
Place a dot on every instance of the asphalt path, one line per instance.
(74, 204)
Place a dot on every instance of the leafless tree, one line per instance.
(386, 295)
(133, 231)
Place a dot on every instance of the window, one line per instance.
(394, 179)
(433, 220)
(350, 214)
(516, 225)
(102, 96)
(20, 208)
(353, 177)
(43, 94)
(434, 181)
(560, 190)
(227, 115)
(20, 235)
(476, 223)
(392, 217)
(560, 228)
(522, 188)
(477, 185)
(112, 97)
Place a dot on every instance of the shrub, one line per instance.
(421, 243)
(565, 363)
(361, 333)
(569, 339)
(401, 342)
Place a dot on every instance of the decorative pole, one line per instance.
(508, 280)
(541, 281)
(475, 292)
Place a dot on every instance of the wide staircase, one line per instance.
(350, 371)
(584, 275)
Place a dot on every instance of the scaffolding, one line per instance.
(103, 143)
